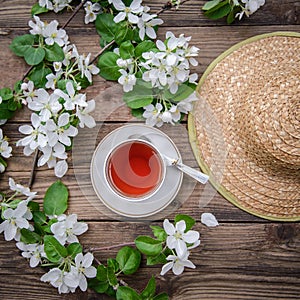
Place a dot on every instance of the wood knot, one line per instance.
(283, 233)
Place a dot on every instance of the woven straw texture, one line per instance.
(245, 129)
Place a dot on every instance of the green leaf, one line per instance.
(96, 285)
(189, 221)
(123, 33)
(162, 296)
(54, 250)
(127, 293)
(38, 75)
(111, 277)
(210, 4)
(56, 199)
(12, 105)
(101, 273)
(109, 69)
(184, 90)
(126, 50)
(150, 289)
(106, 27)
(156, 260)
(54, 53)
(6, 94)
(21, 44)
(159, 233)
(33, 56)
(34, 206)
(129, 260)
(74, 249)
(5, 113)
(148, 245)
(140, 96)
(111, 262)
(39, 217)
(219, 11)
(29, 237)
(137, 113)
(144, 46)
(37, 9)
(3, 162)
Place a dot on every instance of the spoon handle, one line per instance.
(199, 176)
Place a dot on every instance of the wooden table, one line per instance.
(244, 258)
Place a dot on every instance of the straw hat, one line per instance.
(245, 129)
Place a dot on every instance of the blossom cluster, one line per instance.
(166, 68)
(138, 16)
(55, 5)
(59, 107)
(5, 150)
(180, 242)
(17, 214)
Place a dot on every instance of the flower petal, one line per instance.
(209, 220)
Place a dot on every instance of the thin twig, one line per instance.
(102, 50)
(111, 247)
(78, 7)
(32, 173)
(169, 6)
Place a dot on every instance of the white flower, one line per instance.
(84, 117)
(83, 268)
(28, 91)
(253, 5)
(46, 3)
(171, 115)
(37, 27)
(152, 114)
(56, 278)
(127, 80)
(186, 105)
(51, 154)
(128, 12)
(5, 149)
(168, 50)
(47, 105)
(20, 189)
(59, 5)
(86, 68)
(52, 80)
(177, 237)
(91, 11)
(58, 132)
(146, 23)
(53, 35)
(36, 135)
(34, 252)
(177, 264)
(67, 229)
(14, 220)
(209, 220)
(71, 98)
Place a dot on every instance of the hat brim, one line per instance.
(225, 127)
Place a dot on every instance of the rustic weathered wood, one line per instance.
(261, 266)
(244, 258)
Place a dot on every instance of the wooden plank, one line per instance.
(194, 198)
(189, 14)
(234, 261)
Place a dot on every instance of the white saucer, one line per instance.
(162, 198)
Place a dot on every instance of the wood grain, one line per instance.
(244, 258)
(261, 266)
